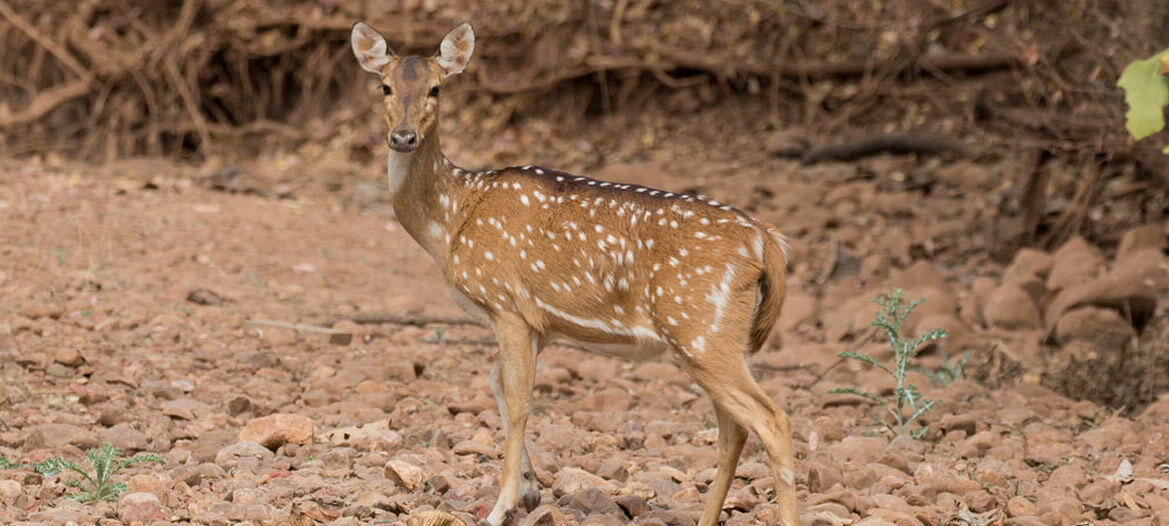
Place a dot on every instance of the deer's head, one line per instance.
(410, 85)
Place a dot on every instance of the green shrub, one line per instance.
(905, 397)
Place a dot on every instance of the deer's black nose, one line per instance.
(403, 140)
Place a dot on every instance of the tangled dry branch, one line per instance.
(108, 78)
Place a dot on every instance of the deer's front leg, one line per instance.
(512, 378)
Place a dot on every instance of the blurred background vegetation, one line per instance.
(103, 79)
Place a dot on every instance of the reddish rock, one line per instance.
(1158, 411)
(607, 400)
(1098, 492)
(67, 356)
(144, 483)
(184, 409)
(429, 518)
(941, 481)
(664, 372)
(1104, 328)
(1068, 476)
(245, 455)
(9, 490)
(139, 507)
(981, 501)
(869, 474)
(404, 474)
(474, 405)
(1028, 263)
(882, 517)
(798, 309)
(598, 369)
(571, 481)
(937, 302)
(55, 436)
(823, 473)
(1065, 510)
(920, 275)
(1010, 307)
(275, 430)
(849, 319)
(859, 449)
(1150, 236)
(1131, 286)
(1109, 435)
(970, 311)
(956, 330)
(873, 269)
(828, 428)
(1021, 507)
(375, 436)
(1074, 263)
(593, 501)
(126, 437)
(545, 515)
(633, 505)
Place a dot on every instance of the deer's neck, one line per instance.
(423, 185)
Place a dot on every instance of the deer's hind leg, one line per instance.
(731, 437)
(715, 356)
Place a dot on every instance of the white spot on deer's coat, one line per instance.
(434, 230)
(489, 256)
(524, 200)
(718, 297)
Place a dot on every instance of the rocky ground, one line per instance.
(139, 296)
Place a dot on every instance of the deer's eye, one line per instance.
(385, 89)
(434, 91)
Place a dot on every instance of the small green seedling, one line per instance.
(948, 373)
(5, 463)
(439, 332)
(906, 397)
(99, 486)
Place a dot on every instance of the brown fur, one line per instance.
(621, 269)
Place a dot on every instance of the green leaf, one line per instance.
(1165, 150)
(852, 391)
(1146, 90)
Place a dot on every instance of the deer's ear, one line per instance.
(455, 51)
(370, 48)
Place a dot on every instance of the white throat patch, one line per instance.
(397, 168)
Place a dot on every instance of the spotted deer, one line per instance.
(620, 269)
